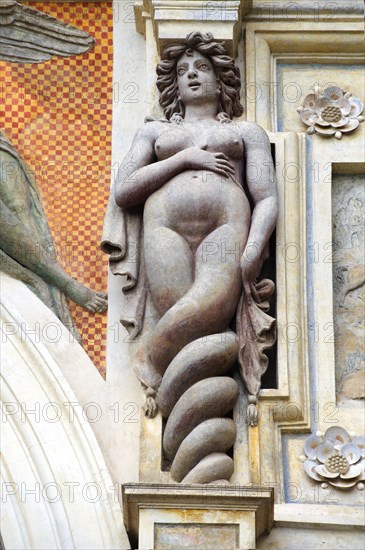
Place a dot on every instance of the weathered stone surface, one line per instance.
(210, 468)
(209, 356)
(214, 435)
(353, 385)
(213, 397)
(208, 536)
(149, 508)
(348, 199)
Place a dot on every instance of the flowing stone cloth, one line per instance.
(256, 332)
(123, 240)
(30, 215)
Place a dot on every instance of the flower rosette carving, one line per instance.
(335, 458)
(331, 112)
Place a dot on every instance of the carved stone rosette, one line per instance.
(335, 457)
(331, 112)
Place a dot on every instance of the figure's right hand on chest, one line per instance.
(200, 159)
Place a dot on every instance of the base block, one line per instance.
(196, 516)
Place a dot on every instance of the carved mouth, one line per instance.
(194, 85)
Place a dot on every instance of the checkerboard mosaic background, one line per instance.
(59, 116)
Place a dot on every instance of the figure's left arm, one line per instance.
(261, 182)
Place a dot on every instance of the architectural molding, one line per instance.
(56, 488)
(305, 10)
(269, 45)
(149, 508)
(172, 21)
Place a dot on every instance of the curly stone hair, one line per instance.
(228, 75)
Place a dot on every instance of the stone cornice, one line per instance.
(255, 502)
(305, 10)
(172, 20)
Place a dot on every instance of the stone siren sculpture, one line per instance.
(179, 226)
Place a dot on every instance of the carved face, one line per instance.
(196, 78)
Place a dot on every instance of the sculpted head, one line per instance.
(199, 70)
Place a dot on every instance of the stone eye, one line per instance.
(181, 71)
(203, 67)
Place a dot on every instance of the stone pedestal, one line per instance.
(197, 516)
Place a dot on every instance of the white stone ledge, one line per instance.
(319, 516)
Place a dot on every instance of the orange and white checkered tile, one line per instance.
(59, 116)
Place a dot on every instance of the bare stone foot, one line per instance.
(252, 412)
(150, 407)
(90, 299)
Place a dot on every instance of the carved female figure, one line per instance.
(203, 248)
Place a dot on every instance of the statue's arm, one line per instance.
(261, 182)
(140, 174)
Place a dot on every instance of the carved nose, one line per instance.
(192, 73)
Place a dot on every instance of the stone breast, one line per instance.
(220, 140)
